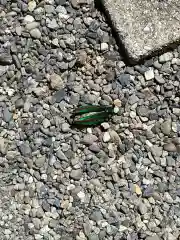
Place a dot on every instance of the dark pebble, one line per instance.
(25, 149)
(62, 65)
(143, 111)
(58, 96)
(5, 59)
(141, 69)
(60, 2)
(22, 5)
(43, 191)
(7, 115)
(93, 27)
(153, 116)
(46, 206)
(170, 161)
(178, 192)
(148, 191)
(57, 203)
(94, 148)
(16, 61)
(3, 2)
(124, 80)
(162, 187)
(19, 103)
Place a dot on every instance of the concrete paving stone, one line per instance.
(144, 27)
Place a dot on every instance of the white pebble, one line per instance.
(146, 181)
(28, 19)
(165, 57)
(176, 111)
(65, 127)
(62, 13)
(31, 25)
(81, 195)
(144, 119)
(149, 74)
(99, 59)
(89, 130)
(30, 225)
(117, 102)
(44, 176)
(121, 64)
(116, 109)
(147, 29)
(163, 162)
(46, 123)
(104, 224)
(35, 33)
(88, 20)
(7, 232)
(168, 198)
(81, 236)
(104, 46)
(55, 42)
(105, 125)
(149, 143)
(132, 114)
(174, 127)
(18, 30)
(35, 203)
(10, 216)
(10, 92)
(61, 9)
(46, 106)
(65, 204)
(70, 187)
(106, 137)
(51, 2)
(44, 230)
(30, 180)
(31, 6)
(39, 10)
(122, 228)
(38, 236)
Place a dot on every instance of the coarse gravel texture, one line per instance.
(115, 182)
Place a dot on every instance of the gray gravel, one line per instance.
(117, 181)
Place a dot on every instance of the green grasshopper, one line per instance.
(92, 115)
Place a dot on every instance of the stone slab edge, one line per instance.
(130, 23)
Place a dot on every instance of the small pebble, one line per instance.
(166, 57)
(31, 6)
(106, 137)
(149, 74)
(35, 33)
(116, 109)
(65, 127)
(132, 114)
(46, 123)
(117, 102)
(105, 125)
(138, 189)
(29, 19)
(104, 47)
(170, 147)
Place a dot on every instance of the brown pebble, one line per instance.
(178, 148)
(176, 140)
(117, 102)
(170, 147)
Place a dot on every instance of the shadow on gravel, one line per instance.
(123, 52)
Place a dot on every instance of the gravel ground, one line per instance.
(119, 181)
